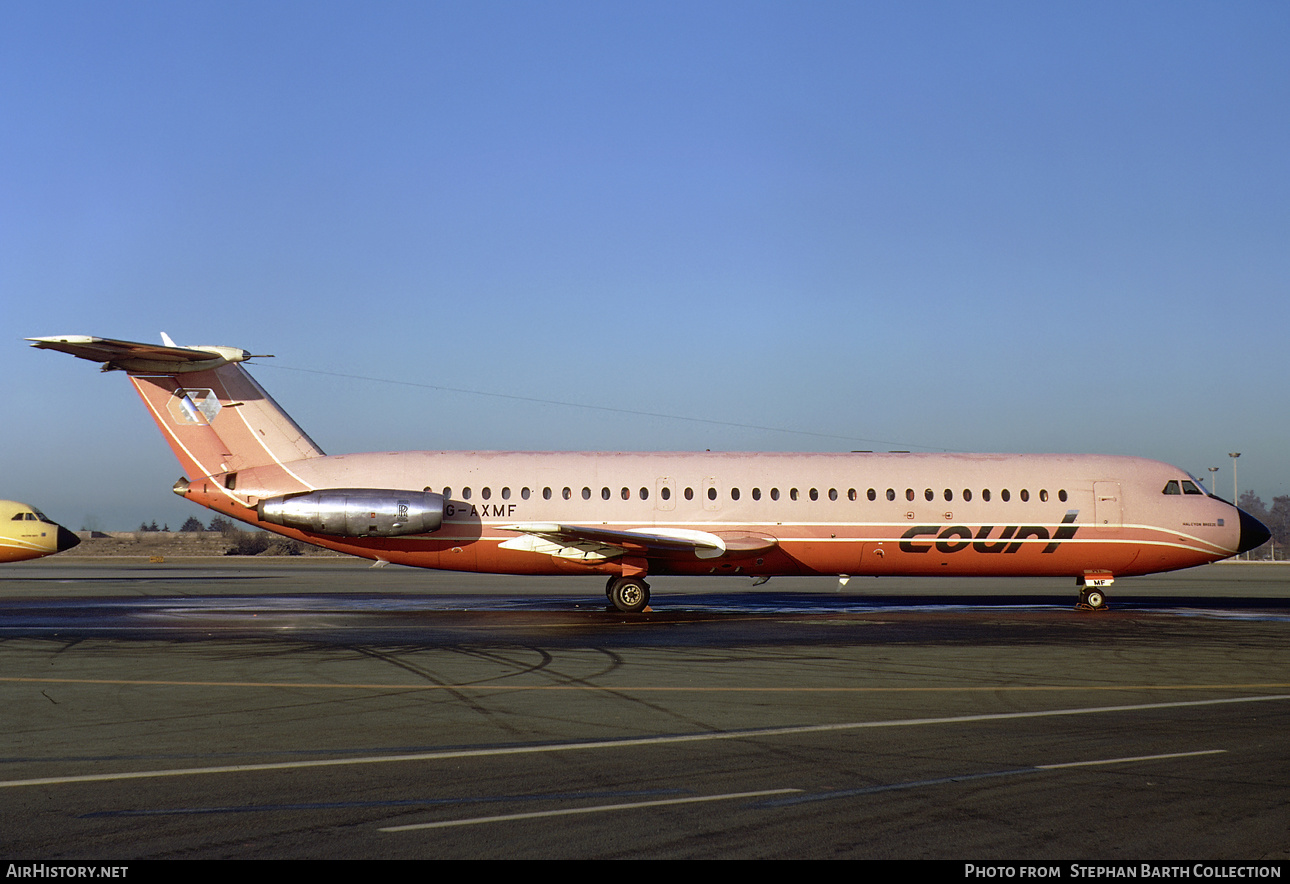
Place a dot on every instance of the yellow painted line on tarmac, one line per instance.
(623, 689)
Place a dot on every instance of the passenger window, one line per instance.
(1003, 495)
(712, 494)
(486, 493)
(1025, 495)
(1043, 495)
(447, 493)
(774, 494)
(756, 493)
(891, 493)
(909, 494)
(929, 494)
(546, 493)
(465, 494)
(815, 495)
(626, 495)
(604, 493)
(792, 494)
(985, 495)
(949, 495)
(586, 493)
(872, 495)
(967, 493)
(833, 494)
(524, 493)
(666, 493)
(506, 493)
(645, 493)
(734, 493)
(1171, 487)
(1061, 495)
(689, 494)
(566, 493)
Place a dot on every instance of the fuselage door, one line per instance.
(1106, 504)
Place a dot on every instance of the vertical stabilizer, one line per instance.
(221, 421)
(214, 415)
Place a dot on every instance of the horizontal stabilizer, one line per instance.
(137, 357)
(213, 414)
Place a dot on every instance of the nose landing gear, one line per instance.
(1092, 596)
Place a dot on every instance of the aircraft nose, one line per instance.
(67, 540)
(1253, 532)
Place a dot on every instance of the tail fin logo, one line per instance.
(193, 406)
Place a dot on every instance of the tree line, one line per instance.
(1277, 519)
(218, 524)
(243, 542)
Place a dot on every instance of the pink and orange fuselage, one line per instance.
(823, 514)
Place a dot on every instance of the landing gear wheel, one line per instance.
(1092, 598)
(629, 594)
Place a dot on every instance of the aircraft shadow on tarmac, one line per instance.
(113, 612)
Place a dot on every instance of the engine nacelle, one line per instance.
(356, 512)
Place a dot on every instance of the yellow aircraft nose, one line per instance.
(66, 539)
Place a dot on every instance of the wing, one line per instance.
(587, 542)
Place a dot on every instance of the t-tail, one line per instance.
(215, 417)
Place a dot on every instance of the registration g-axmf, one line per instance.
(629, 516)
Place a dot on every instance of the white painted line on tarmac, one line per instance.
(1129, 760)
(955, 779)
(568, 811)
(671, 739)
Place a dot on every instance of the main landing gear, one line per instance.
(1092, 596)
(628, 594)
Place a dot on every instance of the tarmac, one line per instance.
(323, 709)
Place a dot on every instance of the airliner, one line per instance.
(27, 533)
(628, 516)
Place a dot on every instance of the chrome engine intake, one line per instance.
(356, 512)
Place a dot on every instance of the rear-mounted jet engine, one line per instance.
(356, 512)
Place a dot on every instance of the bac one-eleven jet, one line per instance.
(626, 517)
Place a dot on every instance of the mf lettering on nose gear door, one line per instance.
(1009, 539)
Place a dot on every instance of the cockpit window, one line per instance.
(1189, 487)
(1171, 487)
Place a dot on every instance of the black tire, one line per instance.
(1092, 597)
(629, 594)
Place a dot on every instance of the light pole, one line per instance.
(1213, 480)
(1236, 490)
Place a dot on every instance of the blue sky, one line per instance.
(985, 226)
